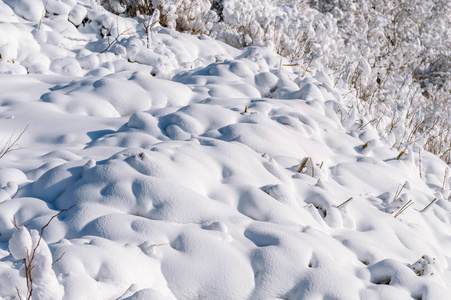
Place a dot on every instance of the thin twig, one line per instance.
(43, 14)
(419, 161)
(302, 166)
(398, 191)
(117, 37)
(313, 170)
(58, 259)
(158, 245)
(18, 293)
(29, 259)
(432, 202)
(344, 202)
(12, 145)
(404, 207)
(9, 198)
(45, 226)
(14, 222)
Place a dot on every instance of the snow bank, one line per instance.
(196, 170)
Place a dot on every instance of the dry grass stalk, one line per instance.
(403, 208)
(401, 154)
(430, 203)
(419, 161)
(303, 164)
(398, 191)
(344, 203)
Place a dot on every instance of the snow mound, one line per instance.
(177, 167)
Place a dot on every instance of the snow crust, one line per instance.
(194, 170)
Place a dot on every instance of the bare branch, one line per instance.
(28, 261)
(18, 293)
(114, 41)
(344, 203)
(430, 203)
(12, 144)
(58, 259)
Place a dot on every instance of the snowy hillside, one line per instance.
(164, 165)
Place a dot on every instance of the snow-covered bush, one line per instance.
(394, 56)
(183, 15)
(41, 281)
(398, 63)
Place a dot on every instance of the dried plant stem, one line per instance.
(419, 161)
(114, 41)
(344, 203)
(313, 169)
(398, 191)
(403, 208)
(58, 259)
(11, 144)
(43, 14)
(432, 202)
(18, 293)
(28, 261)
(302, 166)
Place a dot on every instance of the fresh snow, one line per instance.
(189, 169)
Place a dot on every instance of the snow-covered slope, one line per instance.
(188, 169)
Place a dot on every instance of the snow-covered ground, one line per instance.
(183, 168)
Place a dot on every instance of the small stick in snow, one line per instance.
(43, 14)
(403, 208)
(9, 198)
(58, 258)
(313, 171)
(114, 41)
(432, 202)
(344, 203)
(18, 293)
(308, 66)
(398, 191)
(419, 161)
(302, 166)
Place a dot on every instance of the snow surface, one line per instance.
(183, 161)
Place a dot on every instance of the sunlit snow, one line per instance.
(189, 169)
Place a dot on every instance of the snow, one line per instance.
(189, 169)
(19, 243)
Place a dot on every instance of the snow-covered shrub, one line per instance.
(395, 56)
(41, 281)
(397, 61)
(183, 15)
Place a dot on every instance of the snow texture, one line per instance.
(189, 169)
